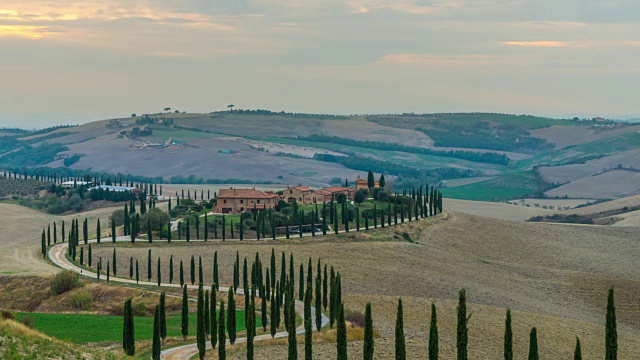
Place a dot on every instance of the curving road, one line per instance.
(57, 254)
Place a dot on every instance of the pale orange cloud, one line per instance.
(436, 60)
(538, 43)
(34, 32)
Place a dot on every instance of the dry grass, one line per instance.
(553, 277)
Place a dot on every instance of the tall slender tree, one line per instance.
(128, 339)
(341, 334)
(368, 334)
(155, 348)
(213, 316)
(231, 318)
(508, 338)
(433, 334)
(185, 313)
(201, 332)
(222, 338)
(462, 330)
(577, 354)
(308, 339)
(163, 316)
(533, 345)
(611, 332)
(401, 353)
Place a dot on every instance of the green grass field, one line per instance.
(81, 328)
(505, 187)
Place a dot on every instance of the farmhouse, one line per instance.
(327, 194)
(299, 194)
(116, 188)
(72, 184)
(364, 183)
(235, 201)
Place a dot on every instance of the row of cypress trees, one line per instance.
(462, 337)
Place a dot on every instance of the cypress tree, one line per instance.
(207, 314)
(508, 338)
(201, 331)
(216, 282)
(325, 289)
(263, 308)
(213, 316)
(433, 334)
(224, 226)
(163, 316)
(273, 307)
(181, 274)
(137, 272)
(301, 285)
(159, 273)
(108, 271)
(308, 339)
(113, 230)
(193, 270)
(48, 235)
(533, 345)
(577, 354)
(185, 313)
(291, 327)
(131, 267)
(401, 353)
(149, 271)
(171, 269)
(251, 329)
(55, 233)
(155, 349)
(200, 275)
(611, 333)
(341, 335)
(43, 246)
(128, 339)
(169, 232)
(273, 268)
(149, 234)
(368, 334)
(231, 318)
(462, 331)
(222, 339)
(81, 255)
(188, 231)
(98, 232)
(318, 304)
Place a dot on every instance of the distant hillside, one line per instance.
(264, 146)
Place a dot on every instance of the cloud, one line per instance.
(538, 43)
(33, 32)
(436, 60)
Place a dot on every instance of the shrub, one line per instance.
(81, 300)
(64, 281)
(354, 317)
(407, 237)
(27, 321)
(139, 309)
(8, 315)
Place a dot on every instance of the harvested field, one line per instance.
(554, 277)
(628, 201)
(612, 184)
(563, 136)
(566, 173)
(361, 129)
(21, 231)
(496, 210)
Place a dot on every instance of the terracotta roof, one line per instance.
(245, 194)
(336, 189)
(302, 188)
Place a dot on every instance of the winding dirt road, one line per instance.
(57, 254)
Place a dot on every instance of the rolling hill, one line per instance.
(513, 155)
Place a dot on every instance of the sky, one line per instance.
(70, 62)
